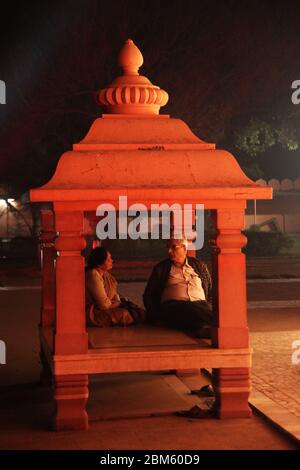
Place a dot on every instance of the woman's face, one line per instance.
(108, 263)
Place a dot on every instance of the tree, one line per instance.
(253, 137)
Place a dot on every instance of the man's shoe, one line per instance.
(206, 391)
(196, 413)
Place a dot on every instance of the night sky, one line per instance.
(223, 63)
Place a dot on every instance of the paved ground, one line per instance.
(273, 372)
(284, 267)
(25, 408)
(162, 432)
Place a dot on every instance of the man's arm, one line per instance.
(205, 277)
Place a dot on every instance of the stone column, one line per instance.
(47, 257)
(48, 252)
(71, 391)
(232, 386)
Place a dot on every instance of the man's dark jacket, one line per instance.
(158, 279)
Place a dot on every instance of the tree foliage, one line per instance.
(258, 136)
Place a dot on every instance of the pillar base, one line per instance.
(81, 423)
(71, 395)
(232, 389)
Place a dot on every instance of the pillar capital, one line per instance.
(69, 227)
(230, 241)
(69, 221)
(231, 219)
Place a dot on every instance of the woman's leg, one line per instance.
(120, 317)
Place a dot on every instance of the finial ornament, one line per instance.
(130, 58)
(132, 93)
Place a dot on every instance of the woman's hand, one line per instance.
(115, 304)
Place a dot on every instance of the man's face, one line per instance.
(177, 252)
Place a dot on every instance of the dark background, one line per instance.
(227, 66)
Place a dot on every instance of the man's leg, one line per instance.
(194, 318)
(186, 315)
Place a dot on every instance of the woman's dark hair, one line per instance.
(97, 257)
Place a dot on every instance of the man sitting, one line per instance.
(178, 292)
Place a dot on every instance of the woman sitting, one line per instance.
(103, 304)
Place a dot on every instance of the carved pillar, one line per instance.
(71, 392)
(48, 252)
(232, 386)
(47, 258)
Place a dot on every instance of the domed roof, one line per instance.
(133, 149)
